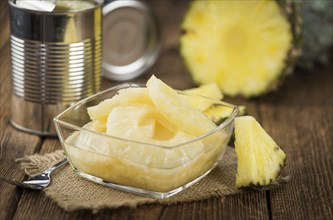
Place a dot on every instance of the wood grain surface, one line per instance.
(299, 116)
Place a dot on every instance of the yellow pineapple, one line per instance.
(170, 105)
(259, 159)
(140, 123)
(148, 132)
(96, 125)
(130, 122)
(243, 46)
(219, 113)
(210, 90)
(129, 97)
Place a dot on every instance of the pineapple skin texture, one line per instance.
(245, 47)
(259, 159)
(317, 39)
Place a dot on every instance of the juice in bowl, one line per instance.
(149, 140)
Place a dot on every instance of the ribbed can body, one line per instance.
(55, 61)
(53, 73)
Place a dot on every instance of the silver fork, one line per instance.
(40, 181)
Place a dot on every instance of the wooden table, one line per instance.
(299, 116)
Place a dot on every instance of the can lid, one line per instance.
(131, 41)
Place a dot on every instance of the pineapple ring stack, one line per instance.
(246, 47)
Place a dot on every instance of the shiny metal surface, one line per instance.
(39, 181)
(55, 61)
(131, 39)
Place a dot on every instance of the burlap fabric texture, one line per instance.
(72, 192)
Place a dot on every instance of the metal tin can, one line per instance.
(131, 40)
(55, 61)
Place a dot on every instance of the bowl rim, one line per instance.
(219, 127)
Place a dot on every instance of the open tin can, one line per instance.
(55, 61)
(56, 57)
(131, 39)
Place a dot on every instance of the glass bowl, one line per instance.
(158, 171)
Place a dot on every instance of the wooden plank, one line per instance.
(4, 23)
(33, 205)
(300, 118)
(242, 206)
(14, 144)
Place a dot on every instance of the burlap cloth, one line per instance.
(73, 193)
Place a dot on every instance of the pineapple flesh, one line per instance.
(171, 106)
(156, 143)
(243, 46)
(210, 90)
(259, 159)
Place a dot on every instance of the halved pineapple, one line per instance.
(243, 46)
(260, 159)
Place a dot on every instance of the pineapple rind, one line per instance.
(260, 160)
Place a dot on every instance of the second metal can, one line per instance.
(131, 39)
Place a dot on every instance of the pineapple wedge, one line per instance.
(210, 90)
(219, 113)
(97, 125)
(140, 123)
(142, 154)
(260, 159)
(130, 122)
(184, 116)
(129, 97)
(245, 47)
